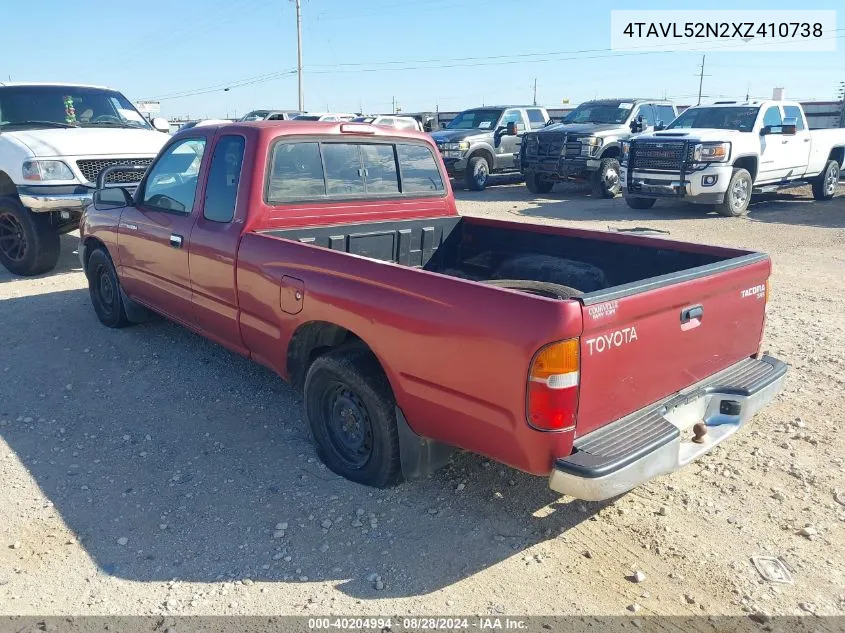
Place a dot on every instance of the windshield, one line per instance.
(475, 120)
(66, 106)
(739, 118)
(256, 115)
(600, 113)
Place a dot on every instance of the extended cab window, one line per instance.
(296, 171)
(535, 118)
(772, 120)
(794, 112)
(172, 181)
(419, 169)
(224, 174)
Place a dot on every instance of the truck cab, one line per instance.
(586, 144)
(476, 143)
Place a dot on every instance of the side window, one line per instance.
(296, 171)
(665, 114)
(535, 118)
(172, 181)
(224, 175)
(794, 112)
(329, 118)
(647, 112)
(276, 117)
(387, 121)
(515, 116)
(419, 169)
(773, 120)
(380, 169)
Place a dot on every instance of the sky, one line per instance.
(425, 54)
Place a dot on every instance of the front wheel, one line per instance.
(104, 288)
(352, 415)
(824, 187)
(738, 194)
(640, 203)
(29, 244)
(538, 184)
(605, 181)
(477, 173)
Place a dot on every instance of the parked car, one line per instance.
(476, 144)
(55, 139)
(586, 143)
(202, 122)
(324, 116)
(390, 120)
(722, 153)
(329, 254)
(270, 115)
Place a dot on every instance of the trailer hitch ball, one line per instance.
(698, 432)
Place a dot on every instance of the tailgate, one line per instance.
(643, 343)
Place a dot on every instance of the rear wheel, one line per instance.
(352, 415)
(640, 203)
(104, 288)
(477, 173)
(738, 194)
(605, 181)
(537, 184)
(824, 187)
(29, 244)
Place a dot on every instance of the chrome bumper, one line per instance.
(670, 447)
(43, 203)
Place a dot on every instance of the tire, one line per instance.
(104, 288)
(536, 183)
(29, 244)
(640, 203)
(352, 415)
(542, 288)
(824, 187)
(738, 194)
(605, 180)
(553, 270)
(477, 173)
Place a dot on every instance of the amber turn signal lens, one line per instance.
(555, 359)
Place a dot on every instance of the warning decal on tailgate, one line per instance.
(605, 342)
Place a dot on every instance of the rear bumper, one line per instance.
(658, 440)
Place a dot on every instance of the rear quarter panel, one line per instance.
(822, 141)
(456, 352)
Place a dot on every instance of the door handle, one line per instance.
(806, 140)
(175, 240)
(784, 142)
(695, 312)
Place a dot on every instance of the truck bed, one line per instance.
(600, 267)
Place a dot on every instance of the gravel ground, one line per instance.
(147, 471)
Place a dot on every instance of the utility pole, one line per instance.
(700, 78)
(299, 52)
(842, 104)
(748, 91)
(394, 105)
(535, 91)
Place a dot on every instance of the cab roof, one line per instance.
(14, 84)
(269, 130)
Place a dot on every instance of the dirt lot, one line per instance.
(147, 471)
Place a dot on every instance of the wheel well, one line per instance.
(92, 244)
(611, 152)
(748, 163)
(837, 154)
(7, 187)
(314, 339)
(488, 156)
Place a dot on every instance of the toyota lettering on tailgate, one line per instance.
(605, 342)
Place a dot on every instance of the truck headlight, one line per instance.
(591, 145)
(711, 152)
(458, 147)
(46, 170)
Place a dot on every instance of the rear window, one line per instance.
(314, 170)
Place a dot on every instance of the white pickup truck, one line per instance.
(55, 139)
(720, 154)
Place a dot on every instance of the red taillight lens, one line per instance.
(553, 386)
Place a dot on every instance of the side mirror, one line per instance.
(161, 124)
(659, 126)
(765, 130)
(637, 124)
(548, 123)
(112, 198)
(790, 126)
(511, 129)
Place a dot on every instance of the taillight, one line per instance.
(553, 386)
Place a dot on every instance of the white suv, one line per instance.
(55, 140)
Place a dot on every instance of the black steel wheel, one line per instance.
(29, 243)
(104, 289)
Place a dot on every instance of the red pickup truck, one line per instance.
(334, 255)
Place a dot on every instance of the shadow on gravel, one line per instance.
(193, 456)
(68, 261)
(573, 202)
